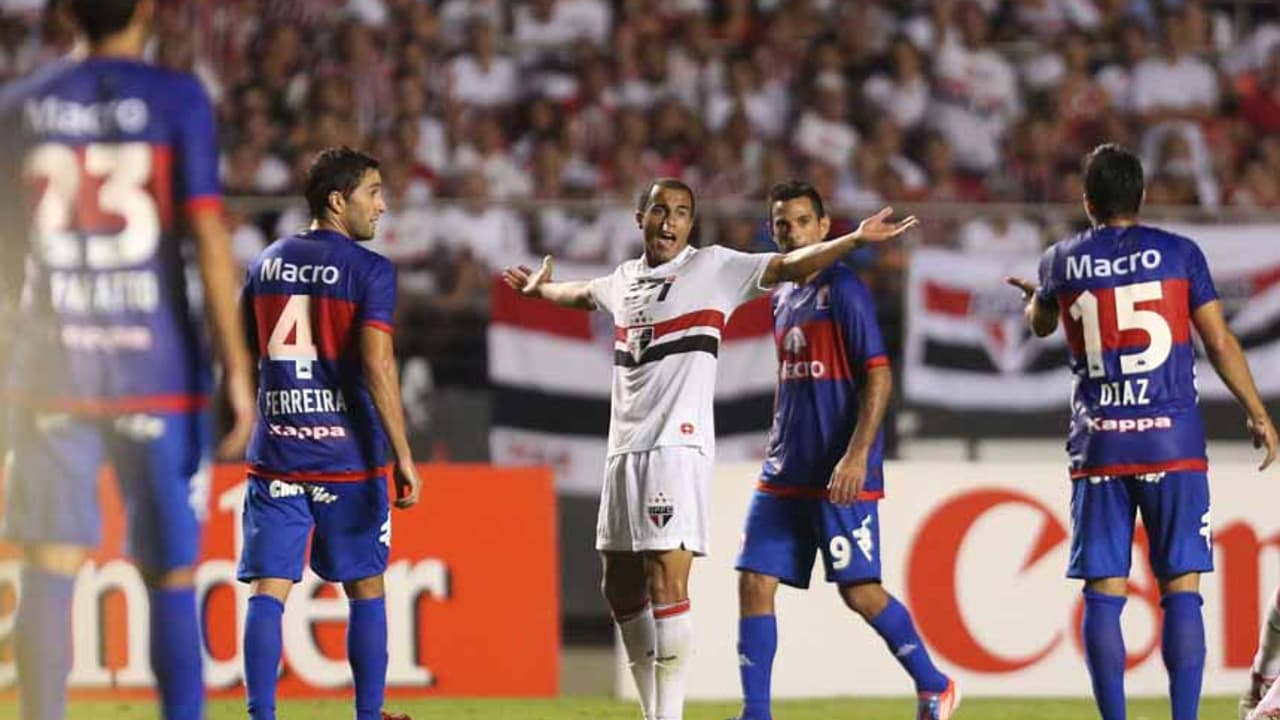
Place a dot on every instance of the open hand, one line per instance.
(525, 281)
(877, 228)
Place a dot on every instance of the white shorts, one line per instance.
(655, 500)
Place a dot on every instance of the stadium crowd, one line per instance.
(876, 101)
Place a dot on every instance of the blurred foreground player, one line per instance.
(823, 473)
(1127, 295)
(109, 362)
(669, 307)
(319, 310)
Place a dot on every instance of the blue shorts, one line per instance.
(783, 534)
(352, 522)
(1175, 513)
(160, 466)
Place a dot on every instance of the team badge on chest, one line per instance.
(638, 340)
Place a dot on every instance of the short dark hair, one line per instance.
(100, 19)
(335, 169)
(1113, 182)
(794, 189)
(669, 183)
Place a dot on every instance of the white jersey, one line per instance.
(667, 324)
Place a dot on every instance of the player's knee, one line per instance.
(183, 577)
(866, 599)
(755, 593)
(365, 588)
(56, 559)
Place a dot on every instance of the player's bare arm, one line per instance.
(1042, 316)
(803, 262)
(377, 352)
(218, 274)
(527, 282)
(1227, 357)
(851, 472)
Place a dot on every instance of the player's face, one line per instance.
(365, 206)
(796, 224)
(666, 222)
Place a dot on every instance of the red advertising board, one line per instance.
(472, 597)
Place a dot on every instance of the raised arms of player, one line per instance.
(572, 294)
(803, 262)
(851, 472)
(1227, 357)
(377, 352)
(218, 274)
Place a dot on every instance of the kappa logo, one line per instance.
(638, 340)
(862, 536)
(795, 343)
(660, 510)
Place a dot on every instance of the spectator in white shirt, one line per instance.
(903, 93)
(456, 15)
(766, 111)
(482, 77)
(541, 27)
(1174, 85)
(976, 93)
(485, 151)
(822, 132)
(432, 150)
(490, 234)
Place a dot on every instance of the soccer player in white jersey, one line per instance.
(669, 308)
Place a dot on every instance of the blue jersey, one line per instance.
(114, 154)
(827, 337)
(1126, 296)
(308, 298)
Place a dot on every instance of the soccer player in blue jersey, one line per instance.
(823, 474)
(319, 312)
(109, 361)
(1128, 295)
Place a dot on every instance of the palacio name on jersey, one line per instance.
(279, 270)
(304, 400)
(54, 115)
(1081, 267)
(105, 293)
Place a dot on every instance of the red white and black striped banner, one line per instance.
(551, 370)
(967, 349)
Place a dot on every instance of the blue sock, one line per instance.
(1104, 651)
(367, 652)
(898, 630)
(757, 644)
(1182, 646)
(175, 653)
(262, 648)
(42, 633)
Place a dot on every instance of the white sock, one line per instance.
(675, 645)
(1267, 662)
(639, 637)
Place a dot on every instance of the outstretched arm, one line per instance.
(1228, 359)
(1041, 315)
(571, 294)
(803, 262)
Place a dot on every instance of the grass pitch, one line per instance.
(600, 709)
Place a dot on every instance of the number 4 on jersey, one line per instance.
(291, 337)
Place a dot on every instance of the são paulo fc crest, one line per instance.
(660, 510)
(638, 340)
